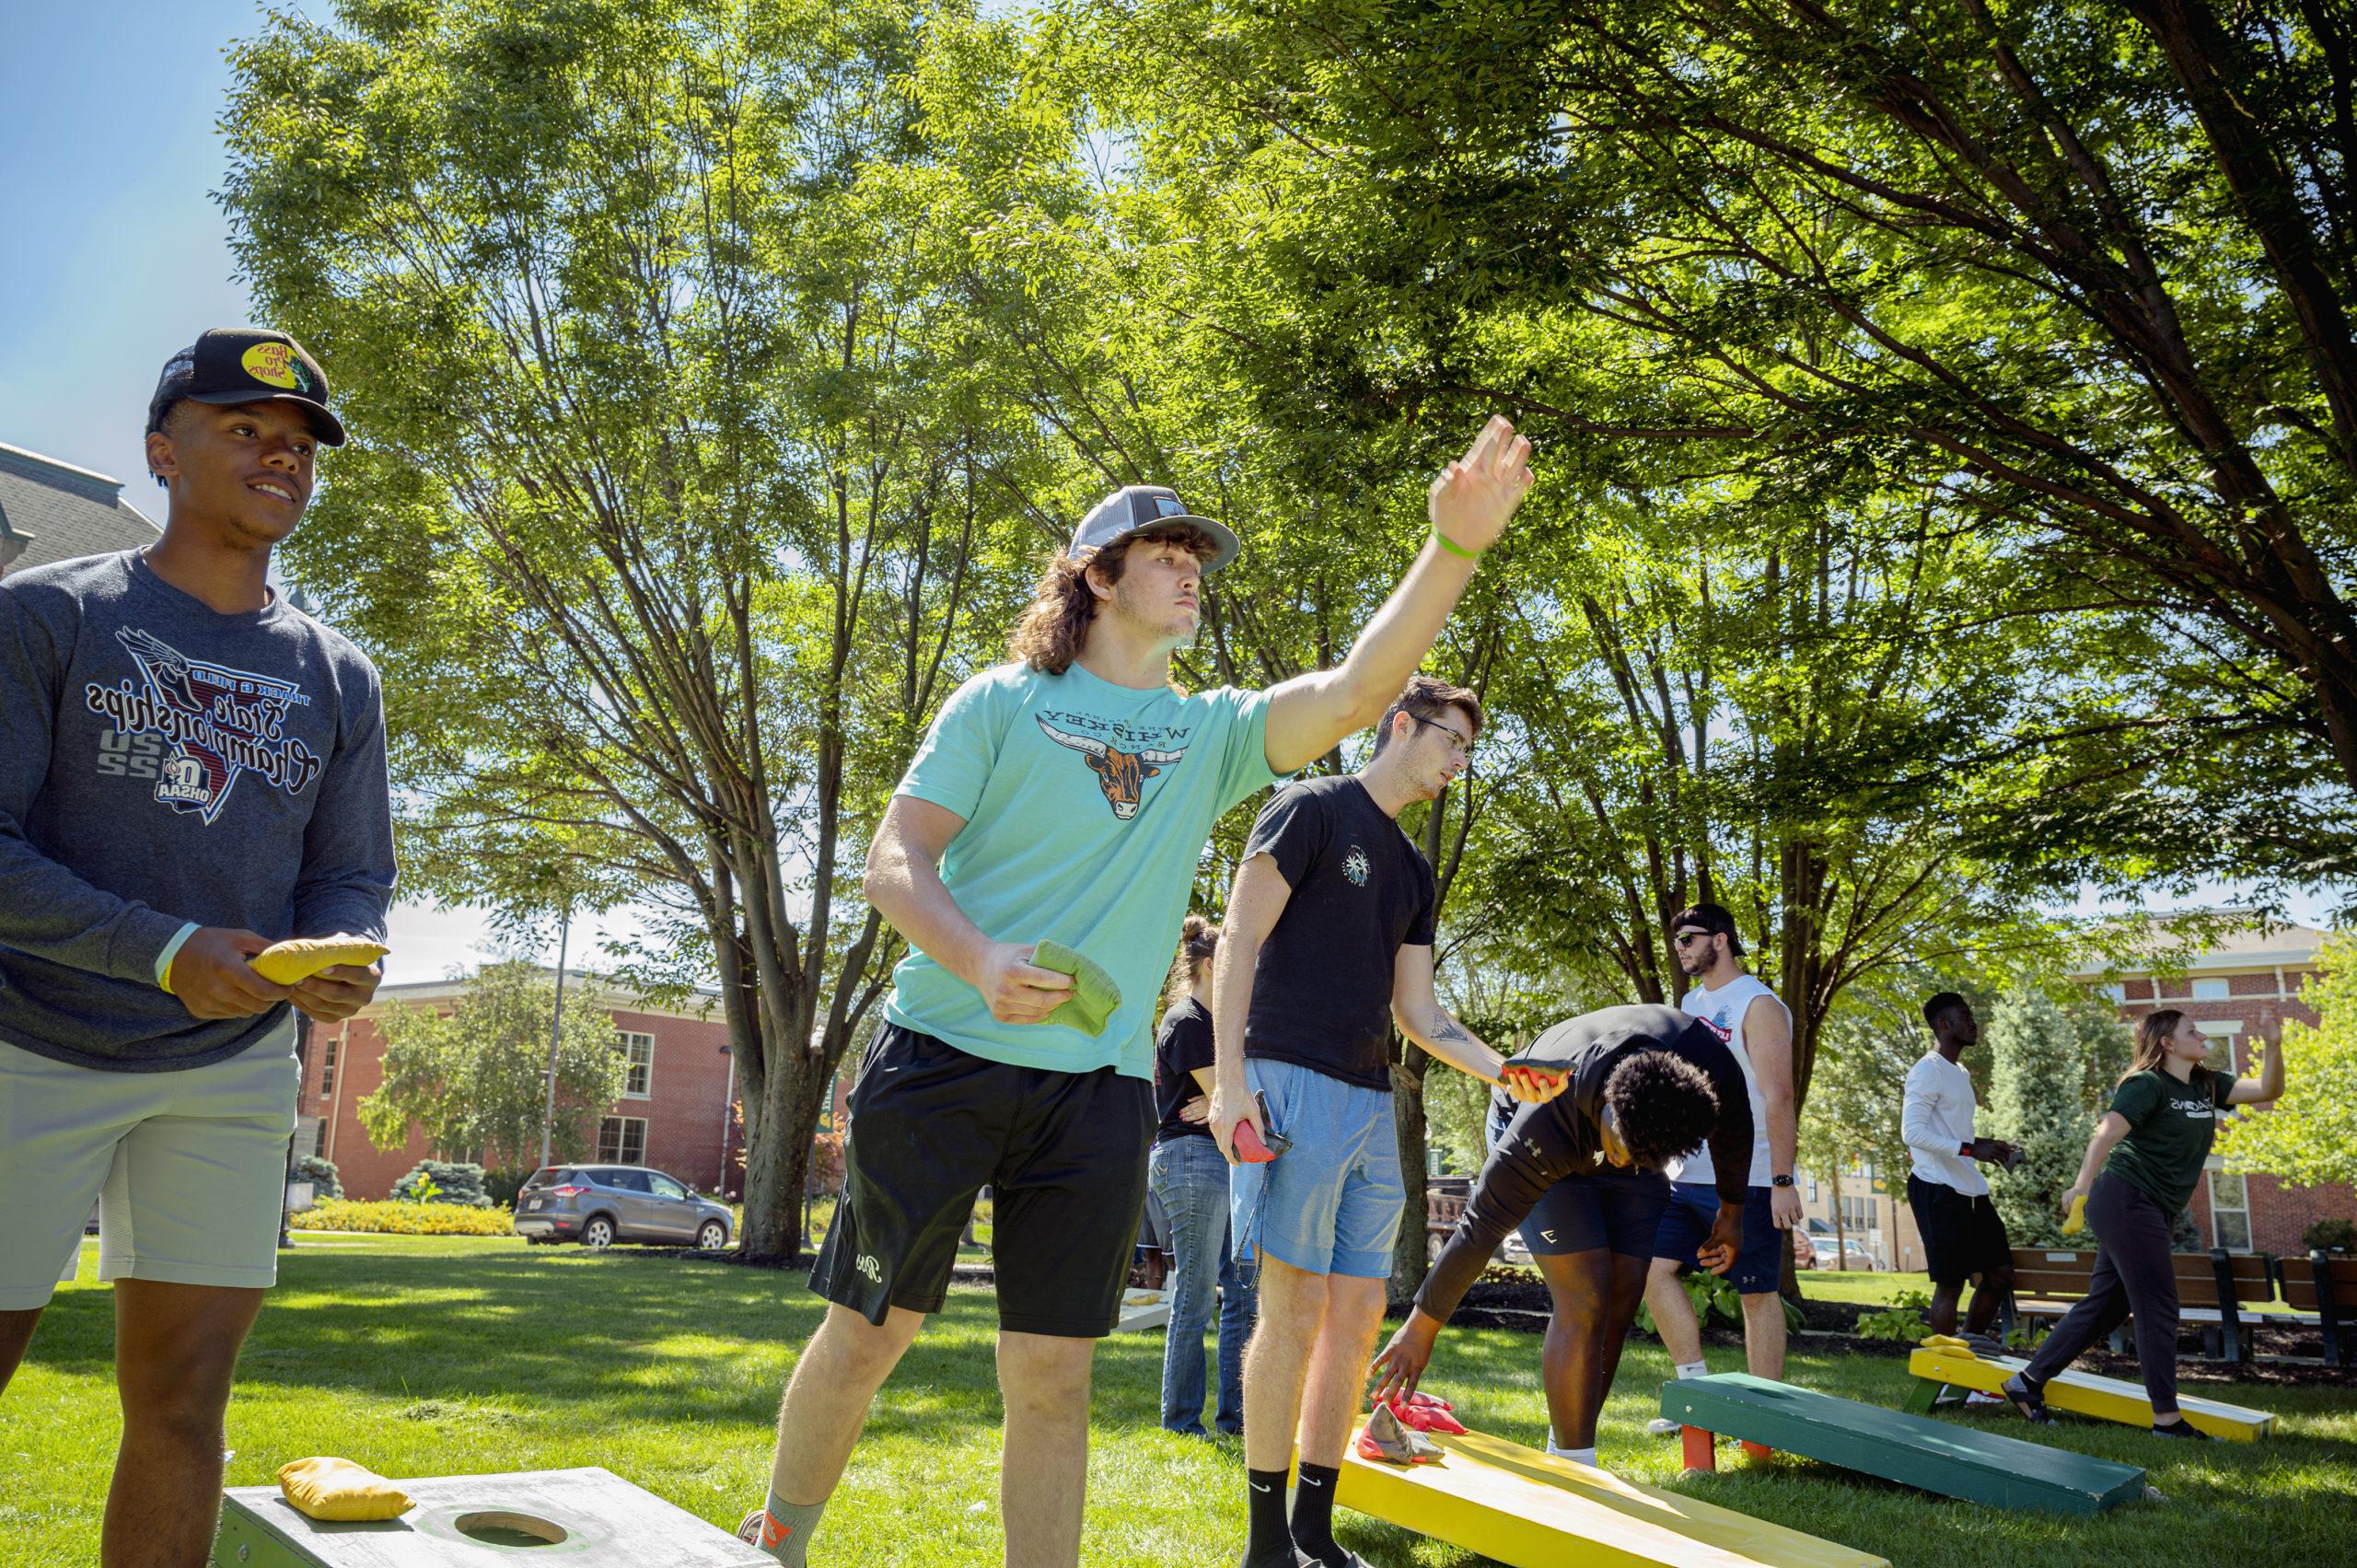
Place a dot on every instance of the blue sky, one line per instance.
(117, 256)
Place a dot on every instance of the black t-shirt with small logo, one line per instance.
(1181, 1045)
(1321, 995)
(2170, 1126)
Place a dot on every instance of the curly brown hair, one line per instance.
(1049, 635)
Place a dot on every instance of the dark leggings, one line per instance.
(1595, 1295)
(2133, 1275)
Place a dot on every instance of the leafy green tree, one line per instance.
(2052, 1069)
(2310, 1135)
(475, 1078)
(676, 475)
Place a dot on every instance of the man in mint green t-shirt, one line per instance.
(1063, 797)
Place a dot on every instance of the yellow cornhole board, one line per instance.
(1143, 1310)
(2084, 1393)
(1531, 1510)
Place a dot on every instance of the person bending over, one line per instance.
(2139, 1174)
(1581, 1175)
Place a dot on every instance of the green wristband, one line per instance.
(1453, 547)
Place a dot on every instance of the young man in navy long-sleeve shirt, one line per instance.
(190, 768)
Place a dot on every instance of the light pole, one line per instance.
(556, 1031)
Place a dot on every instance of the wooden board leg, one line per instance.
(1702, 1454)
(1923, 1397)
(1758, 1453)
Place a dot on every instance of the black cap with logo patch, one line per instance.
(245, 364)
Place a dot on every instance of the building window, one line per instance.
(622, 1140)
(638, 1050)
(2229, 1210)
(1858, 1215)
(2210, 991)
(2117, 990)
(327, 1068)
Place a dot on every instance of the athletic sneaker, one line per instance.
(2182, 1429)
(2026, 1400)
(1979, 1400)
(748, 1529)
(1662, 1426)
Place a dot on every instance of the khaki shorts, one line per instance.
(188, 1169)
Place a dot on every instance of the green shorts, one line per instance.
(188, 1169)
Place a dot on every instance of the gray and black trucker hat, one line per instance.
(1136, 507)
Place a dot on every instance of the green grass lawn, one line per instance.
(430, 1356)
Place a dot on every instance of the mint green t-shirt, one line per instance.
(1087, 806)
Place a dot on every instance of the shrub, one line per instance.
(2331, 1236)
(322, 1174)
(1902, 1319)
(502, 1186)
(439, 1182)
(404, 1219)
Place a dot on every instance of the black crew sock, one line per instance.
(1268, 1543)
(1313, 1515)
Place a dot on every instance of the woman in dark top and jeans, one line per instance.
(1187, 1174)
(2148, 1149)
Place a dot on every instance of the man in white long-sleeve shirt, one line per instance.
(1963, 1237)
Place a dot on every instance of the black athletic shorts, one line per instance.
(1063, 1154)
(1962, 1235)
(1612, 1208)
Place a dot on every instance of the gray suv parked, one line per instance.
(600, 1204)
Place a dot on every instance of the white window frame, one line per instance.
(2217, 1234)
(327, 1066)
(627, 1042)
(2218, 989)
(621, 1146)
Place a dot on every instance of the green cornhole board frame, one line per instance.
(1934, 1455)
(607, 1523)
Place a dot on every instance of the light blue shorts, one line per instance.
(1331, 1203)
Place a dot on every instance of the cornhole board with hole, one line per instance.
(2081, 1393)
(1141, 1310)
(582, 1518)
(1954, 1461)
(1532, 1510)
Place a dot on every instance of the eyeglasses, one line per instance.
(1464, 744)
(1686, 936)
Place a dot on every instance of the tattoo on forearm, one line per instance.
(1452, 1031)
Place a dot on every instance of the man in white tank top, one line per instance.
(1758, 1031)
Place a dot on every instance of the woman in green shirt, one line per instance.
(2139, 1174)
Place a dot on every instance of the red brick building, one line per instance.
(673, 1115)
(2243, 989)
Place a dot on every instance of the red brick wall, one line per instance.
(2278, 1211)
(686, 1109)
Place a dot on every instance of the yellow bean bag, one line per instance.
(338, 1489)
(285, 963)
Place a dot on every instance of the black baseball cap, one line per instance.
(1711, 918)
(245, 364)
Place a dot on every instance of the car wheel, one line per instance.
(598, 1232)
(712, 1236)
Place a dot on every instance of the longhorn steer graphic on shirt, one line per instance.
(1121, 774)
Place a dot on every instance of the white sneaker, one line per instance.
(1662, 1426)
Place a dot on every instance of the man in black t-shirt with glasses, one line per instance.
(1327, 944)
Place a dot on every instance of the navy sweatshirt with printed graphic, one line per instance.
(162, 764)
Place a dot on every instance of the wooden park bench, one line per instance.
(2322, 1289)
(2210, 1287)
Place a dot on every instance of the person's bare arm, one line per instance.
(1468, 504)
(2268, 1086)
(2109, 1132)
(1258, 896)
(1415, 1007)
(1768, 1036)
(904, 882)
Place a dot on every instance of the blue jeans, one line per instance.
(1190, 1177)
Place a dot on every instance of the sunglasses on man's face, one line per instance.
(1686, 936)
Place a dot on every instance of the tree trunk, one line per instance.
(1411, 1254)
(1840, 1231)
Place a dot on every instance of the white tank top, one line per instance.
(1725, 1010)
